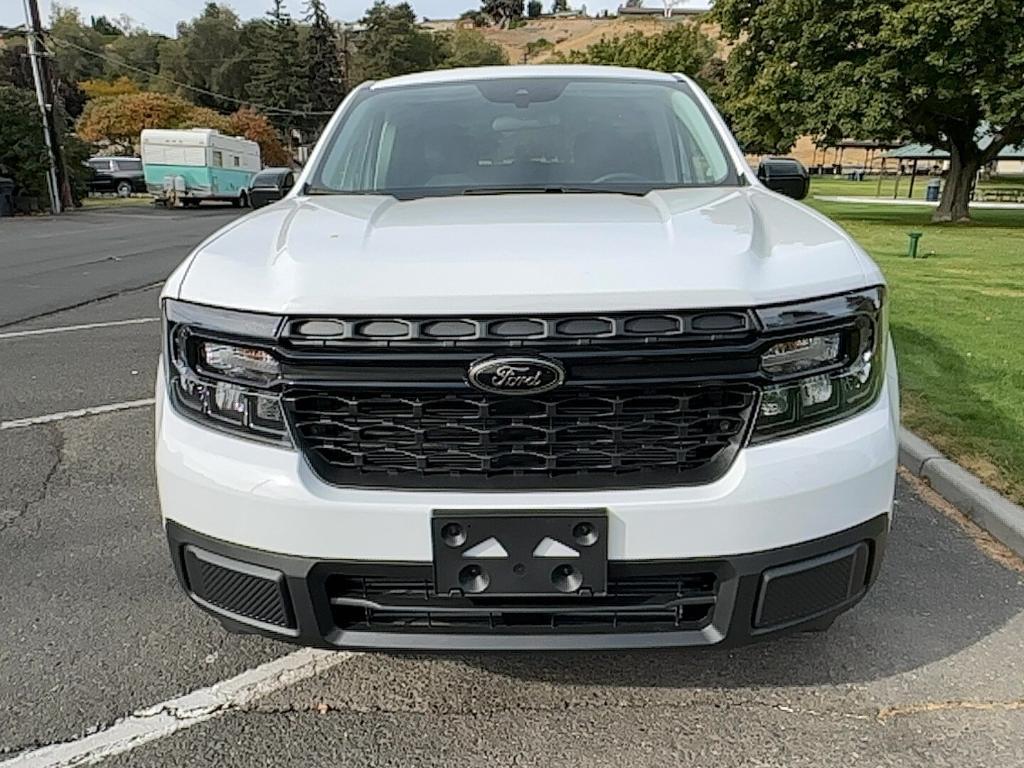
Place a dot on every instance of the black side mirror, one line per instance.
(785, 175)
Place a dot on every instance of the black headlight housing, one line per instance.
(222, 371)
(825, 362)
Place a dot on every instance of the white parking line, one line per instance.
(29, 421)
(83, 327)
(173, 715)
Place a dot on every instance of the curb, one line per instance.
(996, 514)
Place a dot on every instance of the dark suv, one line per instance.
(122, 175)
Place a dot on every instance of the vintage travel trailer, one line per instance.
(191, 165)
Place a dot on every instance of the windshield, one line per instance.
(522, 135)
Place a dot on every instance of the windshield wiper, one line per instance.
(552, 190)
(309, 189)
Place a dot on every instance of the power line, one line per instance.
(187, 86)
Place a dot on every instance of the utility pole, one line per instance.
(44, 95)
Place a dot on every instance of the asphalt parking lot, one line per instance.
(928, 670)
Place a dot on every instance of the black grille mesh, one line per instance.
(626, 436)
(801, 590)
(244, 593)
(648, 599)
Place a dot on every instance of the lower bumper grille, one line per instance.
(248, 591)
(642, 600)
(572, 438)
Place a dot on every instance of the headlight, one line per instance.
(830, 366)
(224, 384)
(801, 354)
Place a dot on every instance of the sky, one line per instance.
(163, 15)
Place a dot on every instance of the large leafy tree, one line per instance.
(278, 76)
(208, 56)
(78, 47)
(949, 74)
(469, 48)
(503, 12)
(325, 75)
(256, 127)
(392, 44)
(681, 48)
(118, 120)
(140, 50)
(23, 154)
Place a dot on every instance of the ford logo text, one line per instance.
(516, 375)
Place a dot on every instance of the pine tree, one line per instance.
(325, 74)
(278, 77)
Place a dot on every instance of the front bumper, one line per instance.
(815, 500)
(344, 604)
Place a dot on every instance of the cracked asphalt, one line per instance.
(927, 670)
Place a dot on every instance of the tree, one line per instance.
(680, 48)
(15, 68)
(534, 9)
(105, 26)
(559, 6)
(98, 89)
(78, 48)
(941, 73)
(204, 117)
(277, 71)
(256, 127)
(120, 119)
(23, 154)
(140, 50)
(392, 44)
(325, 75)
(503, 12)
(475, 17)
(469, 48)
(207, 55)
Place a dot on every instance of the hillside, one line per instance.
(568, 34)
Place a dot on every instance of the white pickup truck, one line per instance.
(528, 358)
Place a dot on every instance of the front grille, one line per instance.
(615, 436)
(513, 332)
(641, 597)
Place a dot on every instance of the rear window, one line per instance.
(271, 179)
(129, 165)
(522, 134)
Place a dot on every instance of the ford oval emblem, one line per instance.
(516, 375)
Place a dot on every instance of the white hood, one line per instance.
(374, 255)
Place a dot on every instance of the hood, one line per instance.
(675, 249)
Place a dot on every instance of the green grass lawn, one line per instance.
(957, 318)
(830, 185)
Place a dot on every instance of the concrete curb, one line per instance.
(996, 514)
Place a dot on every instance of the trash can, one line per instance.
(6, 196)
(931, 192)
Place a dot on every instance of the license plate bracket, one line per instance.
(520, 553)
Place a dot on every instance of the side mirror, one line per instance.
(785, 175)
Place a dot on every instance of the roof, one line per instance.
(928, 152)
(527, 71)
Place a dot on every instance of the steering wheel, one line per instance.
(619, 176)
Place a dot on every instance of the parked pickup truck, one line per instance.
(528, 358)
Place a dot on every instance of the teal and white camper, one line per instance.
(189, 166)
